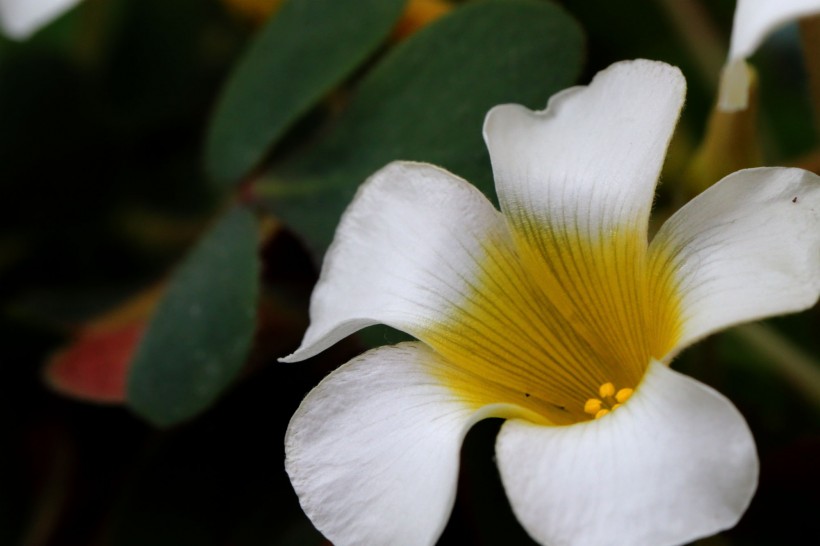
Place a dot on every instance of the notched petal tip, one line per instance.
(505, 116)
(593, 156)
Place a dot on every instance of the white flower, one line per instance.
(547, 314)
(754, 21)
(20, 19)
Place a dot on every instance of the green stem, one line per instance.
(810, 37)
(701, 36)
(795, 366)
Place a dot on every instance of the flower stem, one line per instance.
(810, 37)
(800, 370)
(701, 36)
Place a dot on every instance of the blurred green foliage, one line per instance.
(426, 101)
(296, 60)
(128, 127)
(202, 330)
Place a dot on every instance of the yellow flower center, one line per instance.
(554, 321)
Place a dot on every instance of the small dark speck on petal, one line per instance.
(795, 199)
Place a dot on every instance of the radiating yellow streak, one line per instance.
(553, 315)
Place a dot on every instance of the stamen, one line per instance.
(610, 400)
(592, 406)
(623, 395)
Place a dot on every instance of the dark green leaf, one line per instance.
(202, 330)
(304, 51)
(426, 101)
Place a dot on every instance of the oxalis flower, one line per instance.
(555, 314)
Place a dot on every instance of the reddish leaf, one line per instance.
(95, 365)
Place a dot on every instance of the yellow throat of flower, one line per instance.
(558, 327)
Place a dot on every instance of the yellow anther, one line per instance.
(606, 390)
(601, 413)
(623, 395)
(616, 406)
(592, 406)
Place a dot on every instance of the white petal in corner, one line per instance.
(754, 21)
(675, 463)
(22, 18)
(745, 249)
(373, 451)
(402, 255)
(593, 157)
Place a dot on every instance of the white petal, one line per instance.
(403, 254)
(591, 160)
(22, 18)
(745, 249)
(754, 21)
(373, 451)
(675, 463)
